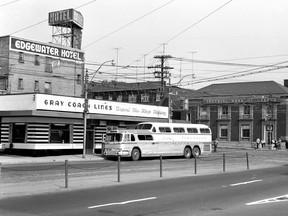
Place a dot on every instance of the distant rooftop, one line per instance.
(246, 88)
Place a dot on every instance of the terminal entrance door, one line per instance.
(269, 133)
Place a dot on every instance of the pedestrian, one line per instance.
(257, 143)
(278, 144)
(263, 143)
(215, 144)
(273, 145)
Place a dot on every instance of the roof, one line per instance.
(122, 86)
(246, 88)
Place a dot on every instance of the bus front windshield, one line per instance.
(114, 137)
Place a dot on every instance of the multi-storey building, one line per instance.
(239, 113)
(28, 66)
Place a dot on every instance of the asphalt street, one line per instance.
(43, 176)
(254, 192)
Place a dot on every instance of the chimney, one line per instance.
(286, 83)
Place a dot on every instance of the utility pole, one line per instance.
(193, 75)
(85, 112)
(162, 75)
(117, 61)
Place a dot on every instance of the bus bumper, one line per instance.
(116, 152)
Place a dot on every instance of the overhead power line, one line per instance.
(47, 19)
(221, 63)
(130, 23)
(8, 3)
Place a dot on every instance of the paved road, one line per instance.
(25, 179)
(255, 192)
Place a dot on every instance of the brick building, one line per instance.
(28, 66)
(239, 113)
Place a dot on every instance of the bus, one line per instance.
(151, 139)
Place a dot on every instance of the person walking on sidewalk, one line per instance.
(215, 144)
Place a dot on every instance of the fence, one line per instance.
(68, 170)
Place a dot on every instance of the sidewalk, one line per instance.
(20, 159)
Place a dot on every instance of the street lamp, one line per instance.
(86, 104)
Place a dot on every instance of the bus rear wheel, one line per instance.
(187, 152)
(196, 152)
(135, 155)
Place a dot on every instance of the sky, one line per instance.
(207, 41)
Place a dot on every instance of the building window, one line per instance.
(48, 64)
(36, 85)
(224, 110)
(246, 110)
(110, 97)
(48, 88)
(60, 133)
(21, 57)
(119, 98)
(158, 97)
(245, 132)
(18, 132)
(144, 98)
(37, 62)
(20, 84)
(224, 132)
(132, 98)
(78, 79)
(203, 112)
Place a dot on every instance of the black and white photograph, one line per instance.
(141, 107)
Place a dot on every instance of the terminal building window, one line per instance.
(60, 133)
(245, 132)
(224, 132)
(18, 132)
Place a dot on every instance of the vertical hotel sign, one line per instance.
(45, 49)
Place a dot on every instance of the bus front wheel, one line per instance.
(135, 155)
(187, 152)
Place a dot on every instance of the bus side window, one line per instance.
(179, 130)
(145, 137)
(126, 138)
(165, 129)
(149, 137)
(132, 138)
(204, 130)
(192, 130)
(141, 137)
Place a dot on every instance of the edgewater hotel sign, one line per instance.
(45, 49)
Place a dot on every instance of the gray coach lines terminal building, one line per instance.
(50, 122)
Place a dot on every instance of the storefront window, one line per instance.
(18, 132)
(60, 133)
